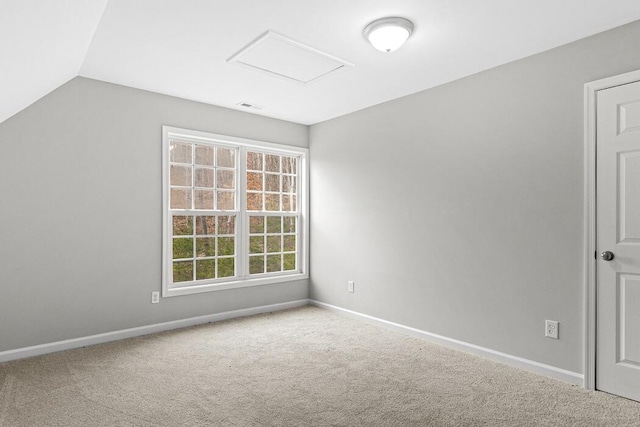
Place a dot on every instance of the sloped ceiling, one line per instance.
(42, 46)
(181, 47)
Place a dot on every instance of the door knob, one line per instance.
(607, 255)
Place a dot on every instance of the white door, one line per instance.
(618, 236)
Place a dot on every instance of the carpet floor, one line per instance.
(301, 367)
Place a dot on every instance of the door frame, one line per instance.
(590, 221)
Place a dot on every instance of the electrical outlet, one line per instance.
(551, 329)
(350, 286)
(155, 297)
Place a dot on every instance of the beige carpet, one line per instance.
(306, 366)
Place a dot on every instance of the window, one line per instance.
(234, 212)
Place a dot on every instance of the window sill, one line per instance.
(197, 289)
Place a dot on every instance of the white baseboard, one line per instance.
(53, 347)
(507, 359)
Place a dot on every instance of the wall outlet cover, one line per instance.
(350, 286)
(551, 329)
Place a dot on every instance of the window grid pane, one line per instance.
(271, 182)
(206, 251)
(202, 177)
(272, 243)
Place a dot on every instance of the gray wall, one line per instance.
(81, 210)
(459, 210)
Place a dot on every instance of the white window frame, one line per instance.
(242, 235)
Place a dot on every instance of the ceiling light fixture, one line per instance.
(388, 34)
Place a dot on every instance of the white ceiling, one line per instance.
(42, 46)
(181, 47)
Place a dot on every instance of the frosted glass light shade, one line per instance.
(388, 34)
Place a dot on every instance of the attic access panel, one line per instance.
(282, 57)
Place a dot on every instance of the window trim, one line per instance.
(168, 133)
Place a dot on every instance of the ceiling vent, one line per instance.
(250, 106)
(282, 57)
